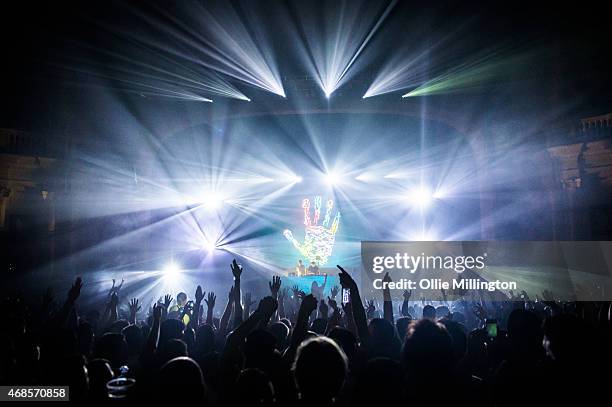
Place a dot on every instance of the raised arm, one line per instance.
(267, 307)
(388, 302)
(166, 306)
(349, 321)
(237, 272)
(247, 301)
(370, 309)
(282, 294)
(111, 291)
(323, 287)
(404, 310)
(275, 286)
(336, 317)
(134, 308)
(210, 306)
(224, 322)
(73, 295)
(153, 338)
(194, 321)
(334, 292)
(118, 288)
(359, 315)
(309, 304)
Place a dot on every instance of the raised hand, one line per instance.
(210, 301)
(309, 304)
(346, 281)
(267, 306)
(134, 306)
(167, 301)
(297, 293)
(407, 295)
(332, 303)
(115, 288)
(334, 291)
(75, 290)
(112, 289)
(199, 295)
(370, 309)
(319, 240)
(236, 269)
(275, 285)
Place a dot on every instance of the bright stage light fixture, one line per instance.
(209, 246)
(171, 269)
(421, 197)
(332, 179)
(332, 49)
(212, 201)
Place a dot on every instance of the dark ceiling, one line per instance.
(38, 96)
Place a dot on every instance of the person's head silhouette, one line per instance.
(314, 386)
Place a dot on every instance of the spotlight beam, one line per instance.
(486, 68)
(331, 59)
(140, 87)
(405, 71)
(216, 84)
(365, 42)
(233, 53)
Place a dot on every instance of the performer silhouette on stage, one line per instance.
(300, 269)
(313, 269)
(317, 290)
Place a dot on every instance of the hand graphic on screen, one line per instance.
(318, 239)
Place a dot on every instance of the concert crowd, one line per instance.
(295, 348)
